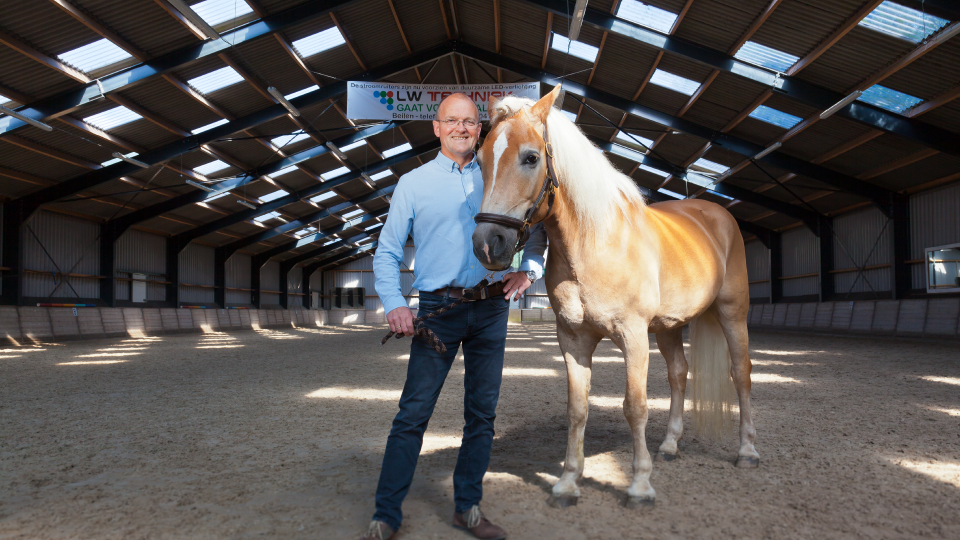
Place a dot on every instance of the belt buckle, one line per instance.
(470, 297)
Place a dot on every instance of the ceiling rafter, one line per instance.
(350, 45)
(403, 35)
(175, 13)
(101, 29)
(30, 52)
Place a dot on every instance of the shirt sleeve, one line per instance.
(389, 255)
(533, 251)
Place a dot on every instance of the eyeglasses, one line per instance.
(467, 123)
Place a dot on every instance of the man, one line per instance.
(437, 203)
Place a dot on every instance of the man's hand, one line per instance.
(514, 285)
(401, 321)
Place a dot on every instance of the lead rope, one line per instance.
(424, 333)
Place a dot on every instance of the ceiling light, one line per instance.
(26, 119)
(336, 151)
(365, 178)
(767, 150)
(195, 19)
(283, 101)
(245, 203)
(200, 186)
(130, 160)
(841, 104)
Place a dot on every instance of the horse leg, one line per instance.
(577, 351)
(670, 343)
(635, 344)
(735, 330)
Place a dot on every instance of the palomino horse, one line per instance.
(619, 268)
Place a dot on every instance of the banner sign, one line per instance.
(389, 101)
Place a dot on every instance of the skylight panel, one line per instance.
(674, 82)
(319, 42)
(299, 93)
(645, 15)
(572, 116)
(657, 172)
(576, 48)
(710, 165)
(323, 196)
(94, 56)
(721, 195)
(215, 12)
(117, 160)
(374, 226)
(112, 118)
(767, 57)
(397, 150)
(351, 146)
(201, 129)
(628, 153)
(5, 101)
(209, 198)
(212, 167)
(273, 196)
(902, 22)
(303, 232)
(283, 171)
(267, 216)
(775, 117)
(215, 80)
(340, 171)
(352, 213)
(699, 179)
(629, 139)
(334, 241)
(671, 193)
(889, 99)
(381, 175)
(284, 140)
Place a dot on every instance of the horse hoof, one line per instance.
(663, 456)
(635, 503)
(748, 462)
(562, 501)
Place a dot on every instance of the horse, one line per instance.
(621, 269)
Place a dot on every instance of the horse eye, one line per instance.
(531, 159)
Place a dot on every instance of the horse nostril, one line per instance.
(498, 243)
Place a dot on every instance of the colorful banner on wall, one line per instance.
(389, 101)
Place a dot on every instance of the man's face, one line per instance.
(457, 139)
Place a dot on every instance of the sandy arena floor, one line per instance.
(280, 433)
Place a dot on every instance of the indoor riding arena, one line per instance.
(192, 197)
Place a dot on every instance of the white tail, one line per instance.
(712, 392)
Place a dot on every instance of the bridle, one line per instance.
(547, 190)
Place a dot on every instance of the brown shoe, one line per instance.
(473, 520)
(379, 530)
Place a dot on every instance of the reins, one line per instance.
(550, 184)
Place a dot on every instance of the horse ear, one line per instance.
(496, 111)
(541, 109)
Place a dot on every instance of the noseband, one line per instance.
(550, 184)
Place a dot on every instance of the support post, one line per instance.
(108, 258)
(776, 267)
(825, 245)
(284, 285)
(901, 275)
(220, 278)
(12, 280)
(256, 264)
(173, 273)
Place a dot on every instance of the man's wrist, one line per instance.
(531, 275)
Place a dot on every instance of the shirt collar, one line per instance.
(450, 165)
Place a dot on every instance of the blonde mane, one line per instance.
(595, 188)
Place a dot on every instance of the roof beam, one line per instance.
(830, 40)
(31, 202)
(792, 87)
(341, 257)
(100, 29)
(546, 41)
(346, 38)
(356, 222)
(33, 54)
(403, 35)
(69, 100)
(119, 99)
(881, 197)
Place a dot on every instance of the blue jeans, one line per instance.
(482, 329)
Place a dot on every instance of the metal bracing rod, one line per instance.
(879, 196)
(69, 100)
(30, 203)
(790, 86)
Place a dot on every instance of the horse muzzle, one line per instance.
(494, 245)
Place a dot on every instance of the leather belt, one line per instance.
(494, 289)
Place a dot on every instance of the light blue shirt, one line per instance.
(438, 203)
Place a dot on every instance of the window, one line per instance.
(94, 56)
(267, 216)
(5, 101)
(334, 241)
(323, 196)
(775, 117)
(303, 232)
(628, 153)
(210, 168)
(671, 194)
(117, 160)
(657, 172)
(353, 213)
(397, 150)
(374, 226)
(112, 118)
(644, 15)
(572, 116)
(215, 80)
(299, 93)
(272, 196)
(889, 99)
(215, 196)
(711, 166)
(381, 175)
(340, 171)
(351, 146)
(674, 82)
(762, 55)
(699, 180)
(283, 171)
(201, 129)
(902, 22)
(285, 140)
(319, 42)
(215, 12)
(622, 136)
(576, 48)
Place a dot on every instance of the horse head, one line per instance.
(513, 160)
